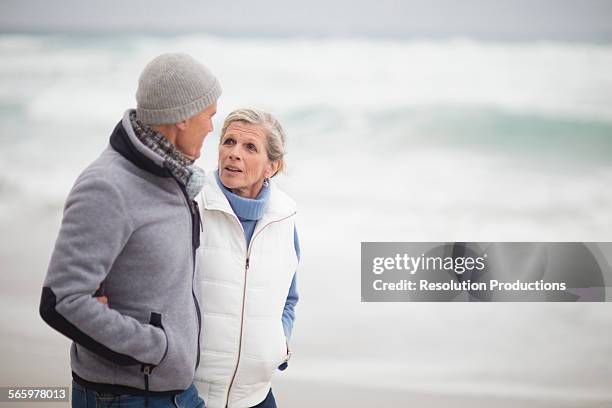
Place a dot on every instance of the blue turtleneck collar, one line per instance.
(246, 209)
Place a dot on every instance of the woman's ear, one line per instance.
(271, 169)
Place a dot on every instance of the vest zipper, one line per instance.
(244, 287)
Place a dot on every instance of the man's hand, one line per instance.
(101, 299)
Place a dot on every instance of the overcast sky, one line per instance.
(588, 19)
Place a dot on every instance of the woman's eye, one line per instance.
(252, 147)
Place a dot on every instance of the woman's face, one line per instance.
(243, 159)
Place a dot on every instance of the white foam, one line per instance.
(353, 75)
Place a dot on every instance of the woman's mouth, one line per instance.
(232, 169)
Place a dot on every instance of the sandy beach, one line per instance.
(388, 355)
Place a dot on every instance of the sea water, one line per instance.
(398, 139)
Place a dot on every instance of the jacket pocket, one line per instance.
(284, 351)
(285, 362)
(49, 313)
(156, 320)
(146, 369)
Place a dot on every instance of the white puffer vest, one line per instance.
(243, 297)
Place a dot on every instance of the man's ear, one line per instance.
(271, 169)
(182, 126)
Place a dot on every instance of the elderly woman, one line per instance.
(249, 256)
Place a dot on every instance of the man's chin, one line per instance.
(192, 157)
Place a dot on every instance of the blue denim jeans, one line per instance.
(86, 398)
(269, 402)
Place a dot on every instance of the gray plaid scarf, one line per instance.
(181, 168)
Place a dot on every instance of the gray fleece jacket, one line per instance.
(128, 228)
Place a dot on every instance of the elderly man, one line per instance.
(130, 232)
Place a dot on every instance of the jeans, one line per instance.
(269, 402)
(87, 398)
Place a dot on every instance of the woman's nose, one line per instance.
(233, 154)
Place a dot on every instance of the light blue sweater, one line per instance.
(248, 212)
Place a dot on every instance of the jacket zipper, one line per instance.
(193, 207)
(195, 299)
(244, 287)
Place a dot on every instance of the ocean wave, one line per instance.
(548, 78)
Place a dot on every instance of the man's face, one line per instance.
(193, 131)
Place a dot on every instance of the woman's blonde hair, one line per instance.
(275, 135)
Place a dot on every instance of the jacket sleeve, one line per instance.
(94, 230)
(292, 297)
(289, 310)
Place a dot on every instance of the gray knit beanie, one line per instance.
(174, 87)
